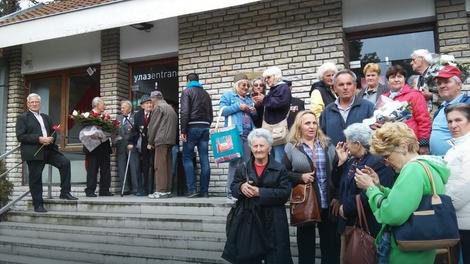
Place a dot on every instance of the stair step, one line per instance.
(103, 253)
(17, 259)
(215, 206)
(209, 241)
(142, 221)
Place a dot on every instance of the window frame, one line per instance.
(64, 76)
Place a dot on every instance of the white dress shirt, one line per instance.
(41, 122)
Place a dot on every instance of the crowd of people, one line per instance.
(327, 145)
(331, 147)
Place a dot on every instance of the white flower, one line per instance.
(447, 59)
(86, 115)
(74, 113)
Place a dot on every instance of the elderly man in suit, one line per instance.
(124, 149)
(35, 133)
(98, 159)
(139, 140)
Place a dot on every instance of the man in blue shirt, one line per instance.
(449, 85)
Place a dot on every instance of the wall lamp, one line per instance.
(143, 26)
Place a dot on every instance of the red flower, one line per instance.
(57, 128)
(107, 116)
(94, 114)
(116, 122)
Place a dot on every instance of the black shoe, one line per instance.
(192, 195)
(91, 195)
(67, 196)
(40, 209)
(205, 195)
(106, 194)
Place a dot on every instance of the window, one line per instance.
(62, 92)
(388, 49)
(148, 76)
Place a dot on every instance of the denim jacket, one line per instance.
(231, 100)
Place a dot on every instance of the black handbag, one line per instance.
(433, 225)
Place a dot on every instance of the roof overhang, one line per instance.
(112, 15)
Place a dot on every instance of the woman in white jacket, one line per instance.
(458, 186)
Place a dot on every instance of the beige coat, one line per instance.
(163, 125)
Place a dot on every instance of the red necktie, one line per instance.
(146, 118)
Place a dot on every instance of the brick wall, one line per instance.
(15, 106)
(113, 83)
(295, 35)
(453, 33)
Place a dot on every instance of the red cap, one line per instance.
(448, 71)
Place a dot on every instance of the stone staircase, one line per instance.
(119, 231)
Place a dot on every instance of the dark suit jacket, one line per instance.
(125, 132)
(382, 89)
(140, 128)
(28, 131)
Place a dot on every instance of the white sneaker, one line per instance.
(163, 195)
(154, 195)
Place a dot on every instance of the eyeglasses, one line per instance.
(258, 85)
(416, 59)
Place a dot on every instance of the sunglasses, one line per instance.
(258, 85)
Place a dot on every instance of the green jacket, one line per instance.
(403, 199)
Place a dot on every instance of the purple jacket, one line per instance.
(277, 103)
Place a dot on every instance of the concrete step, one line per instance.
(17, 259)
(209, 241)
(142, 221)
(214, 206)
(102, 253)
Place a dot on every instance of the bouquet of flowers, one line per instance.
(96, 129)
(103, 121)
(440, 61)
(388, 110)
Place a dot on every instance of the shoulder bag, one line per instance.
(279, 130)
(432, 226)
(304, 207)
(225, 142)
(359, 244)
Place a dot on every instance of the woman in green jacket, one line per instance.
(392, 207)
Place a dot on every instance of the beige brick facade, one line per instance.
(453, 33)
(113, 83)
(295, 35)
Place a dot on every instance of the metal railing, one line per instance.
(10, 204)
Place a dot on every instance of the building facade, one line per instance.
(126, 61)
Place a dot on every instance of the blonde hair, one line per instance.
(392, 135)
(295, 133)
(374, 67)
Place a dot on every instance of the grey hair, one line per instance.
(260, 133)
(31, 95)
(95, 101)
(457, 79)
(358, 132)
(423, 53)
(275, 72)
(413, 80)
(127, 102)
(327, 66)
(257, 79)
(345, 71)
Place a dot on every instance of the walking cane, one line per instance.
(125, 174)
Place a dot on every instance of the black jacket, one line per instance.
(28, 131)
(325, 91)
(196, 108)
(274, 192)
(348, 190)
(296, 105)
(276, 104)
(139, 129)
